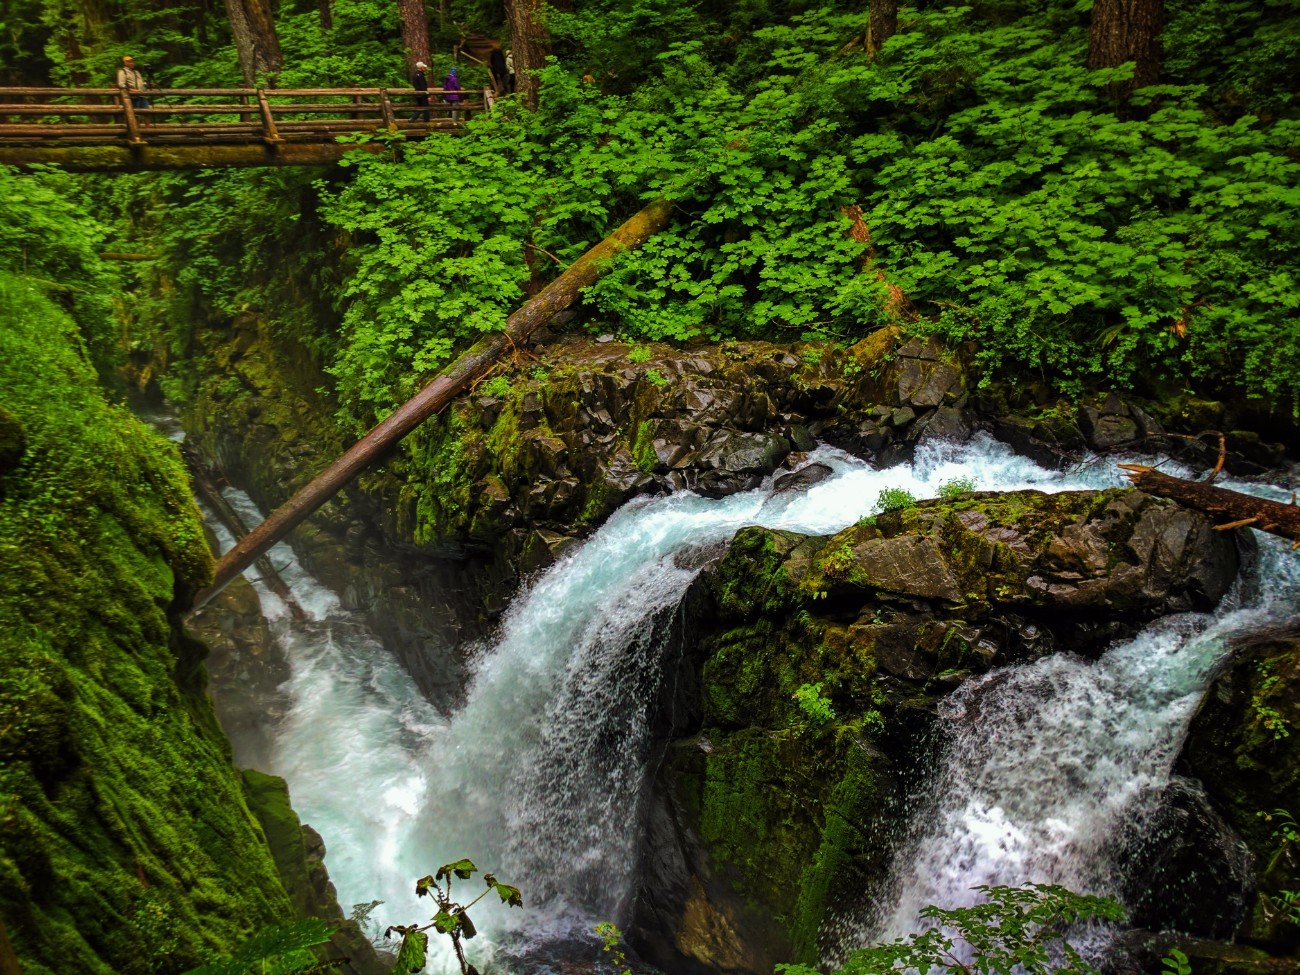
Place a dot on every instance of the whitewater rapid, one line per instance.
(539, 775)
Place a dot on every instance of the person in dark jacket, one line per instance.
(421, 84)
(451, 94)
(497, 68)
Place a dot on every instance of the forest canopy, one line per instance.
(1061, 220)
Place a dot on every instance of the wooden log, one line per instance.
(536, 312)
(269, 132)
(1241, 510)
(132, 125)
(205, 487)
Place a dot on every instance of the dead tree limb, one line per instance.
(536, 312)
(206, 488)
(1241, 510)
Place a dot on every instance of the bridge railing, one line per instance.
(89, 116)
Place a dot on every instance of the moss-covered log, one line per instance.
(539, 310)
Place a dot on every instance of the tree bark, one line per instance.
(530, 43)
(882, 25)
(253, 29)
(415, 32)
(326, 11)
(1240, 510)
(1127, 30)
(536, 312)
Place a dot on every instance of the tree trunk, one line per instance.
(1127, 30)
(529, 43)
(882, 26)
(415, 32)
(1240, 510)
(253, 29)
(326, 11)
(536, 312)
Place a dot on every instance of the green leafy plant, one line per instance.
(638, 353)
(612, 945)
(1270, 718)
(1016, 929)
(1285, 828)
(894, 499)
(956, 488)
(1287, 904)
(498, 386)
(451, 918)
(283, 949)
(817, 710)
(1175, 963)
(656, 378)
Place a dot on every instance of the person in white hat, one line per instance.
(131, 80)
(421, 85)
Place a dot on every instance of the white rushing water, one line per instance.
(538, 776)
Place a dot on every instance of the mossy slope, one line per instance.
(126, 845)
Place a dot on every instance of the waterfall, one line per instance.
(1042, 766)
(539, 775)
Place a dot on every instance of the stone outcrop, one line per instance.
(1244, 746)
(817, 663)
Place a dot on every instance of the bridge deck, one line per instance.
(90, 129)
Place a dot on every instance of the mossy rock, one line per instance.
(1244, 746)
(125, 840)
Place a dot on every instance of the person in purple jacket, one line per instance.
(451, 94)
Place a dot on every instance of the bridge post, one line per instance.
(270, 134)
(386, 103)
(132, 123)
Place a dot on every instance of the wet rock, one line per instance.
(796, 482)
(1187, 871)
(299, 854)
(1143, 952)
(1244, 747)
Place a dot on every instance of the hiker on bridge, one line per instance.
(451, 94)
(421, 85)
(130, 80)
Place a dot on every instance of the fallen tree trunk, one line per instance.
(1241, 510)
(536, 312)
(205, 486)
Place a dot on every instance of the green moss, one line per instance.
(120, 813)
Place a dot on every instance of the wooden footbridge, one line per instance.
(104, 129)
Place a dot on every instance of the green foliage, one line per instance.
(451, 918)
(655, 378)
(1176, 963)
(1015, 929)
(894, 499)
(498, 386)
(1269, 718)
(612, 945)
(638, 353)
(1285, 829)
(54, 244)
(282, 949)
(816, 708)
(956, 488)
